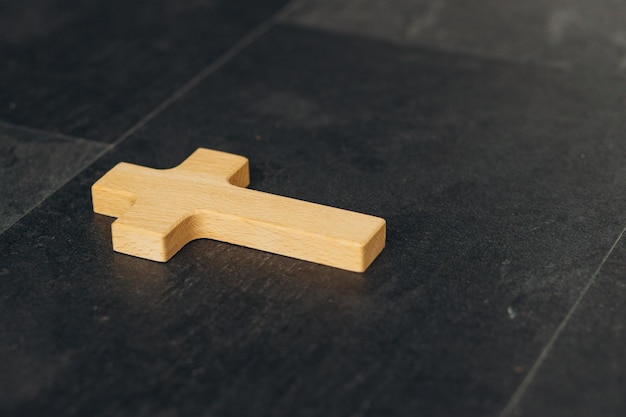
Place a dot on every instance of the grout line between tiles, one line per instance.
(52, 134)
(511, 407)
(423, 46)
(105, 148)
(214, 66)
(223, 59)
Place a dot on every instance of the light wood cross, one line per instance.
(160, 211)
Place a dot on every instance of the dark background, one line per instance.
(491, 135)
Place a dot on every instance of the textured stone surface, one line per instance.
(568, 34)
(584, 373)
(33, 164)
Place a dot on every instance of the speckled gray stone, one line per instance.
(568, 34)
(34, 164)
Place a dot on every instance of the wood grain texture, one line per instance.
(160, 211)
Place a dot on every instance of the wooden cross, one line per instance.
(160, 211)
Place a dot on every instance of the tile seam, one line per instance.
(52, 134)
(423, 46)
(221, 60)
(510, 408)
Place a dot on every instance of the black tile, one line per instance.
(584, 374)
(573, 35)
(34, 164)
(94, 68)
(501, 185)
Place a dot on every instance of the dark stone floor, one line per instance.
(491, 136)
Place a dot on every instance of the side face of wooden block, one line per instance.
(159, 211)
